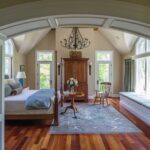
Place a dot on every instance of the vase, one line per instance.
(72, 90)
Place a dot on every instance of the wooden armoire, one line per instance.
(78, 69)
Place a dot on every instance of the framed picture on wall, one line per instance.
(22, 68)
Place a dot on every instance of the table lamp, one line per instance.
(21, 76)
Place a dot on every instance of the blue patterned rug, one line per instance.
(93, 119)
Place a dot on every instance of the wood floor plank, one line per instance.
(68, 142)
(45, 142)
(37, 137)
(98, 142)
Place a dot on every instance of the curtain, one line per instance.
(129, 75)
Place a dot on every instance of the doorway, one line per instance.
(103, 67)
(44, 71)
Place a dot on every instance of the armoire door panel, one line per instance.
(77, 68)
(82, 72)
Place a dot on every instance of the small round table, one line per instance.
(73, 105)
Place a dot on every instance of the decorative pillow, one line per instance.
(11, 81)
(5, 81)
(8, 90)
(17, 91)
(15, 85)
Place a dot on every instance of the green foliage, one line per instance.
(102, 56)
(103, 73)
(44, 76)
(47, 56)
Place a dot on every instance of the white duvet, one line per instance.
(16, 104)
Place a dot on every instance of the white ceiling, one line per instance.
(123, 42)
(25, 42)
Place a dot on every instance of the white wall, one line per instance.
(47, 43)
(98, 42)
(18, 59)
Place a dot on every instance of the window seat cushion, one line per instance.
(142, 100)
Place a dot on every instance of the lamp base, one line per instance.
(21, 81)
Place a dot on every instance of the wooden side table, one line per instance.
(73, 105)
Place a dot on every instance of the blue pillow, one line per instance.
(15, 85)
(18, 90)
(8, 90)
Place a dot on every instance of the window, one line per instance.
(44, 69)
(140, 75)
(103, 67)
(44, 56)
(140, 46)
(143, 67)
(103, 56)
(8, 58)
(148, 45)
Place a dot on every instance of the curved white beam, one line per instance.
(76, 20)
(41, 8)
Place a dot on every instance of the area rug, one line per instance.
(93, 119)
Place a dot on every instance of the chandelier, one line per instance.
(75, 40)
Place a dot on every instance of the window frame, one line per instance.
(144, 56)
(110, 62)
(10, 56)
(37, 62)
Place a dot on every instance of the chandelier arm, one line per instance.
(75, 40)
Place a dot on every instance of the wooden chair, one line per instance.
(104, 93)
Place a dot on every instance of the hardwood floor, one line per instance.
(23, 135)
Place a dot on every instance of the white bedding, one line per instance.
(16, 104)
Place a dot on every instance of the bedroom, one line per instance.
(124, 123)
(112, 42)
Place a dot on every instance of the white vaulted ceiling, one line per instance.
(25, 42)
(122, 41)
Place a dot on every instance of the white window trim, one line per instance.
(11, 55)
(140, 56)
(36, 68)
(111, 61)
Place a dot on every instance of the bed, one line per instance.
(15, 105)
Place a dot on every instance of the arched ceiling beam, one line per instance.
(76, 20)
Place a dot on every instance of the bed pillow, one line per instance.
(10, 81)
(8, 90)
(17, 91)
(5, 81)
(15, 85)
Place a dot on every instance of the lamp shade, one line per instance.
(21, 75)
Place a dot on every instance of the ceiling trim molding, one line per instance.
(132, 27)
(108, 23)
(76, 20)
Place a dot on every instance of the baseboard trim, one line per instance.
(111, 95)
(114, 95)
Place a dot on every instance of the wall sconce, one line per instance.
(58, 64)
(90, 68)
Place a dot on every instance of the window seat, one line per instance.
(136, 104)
